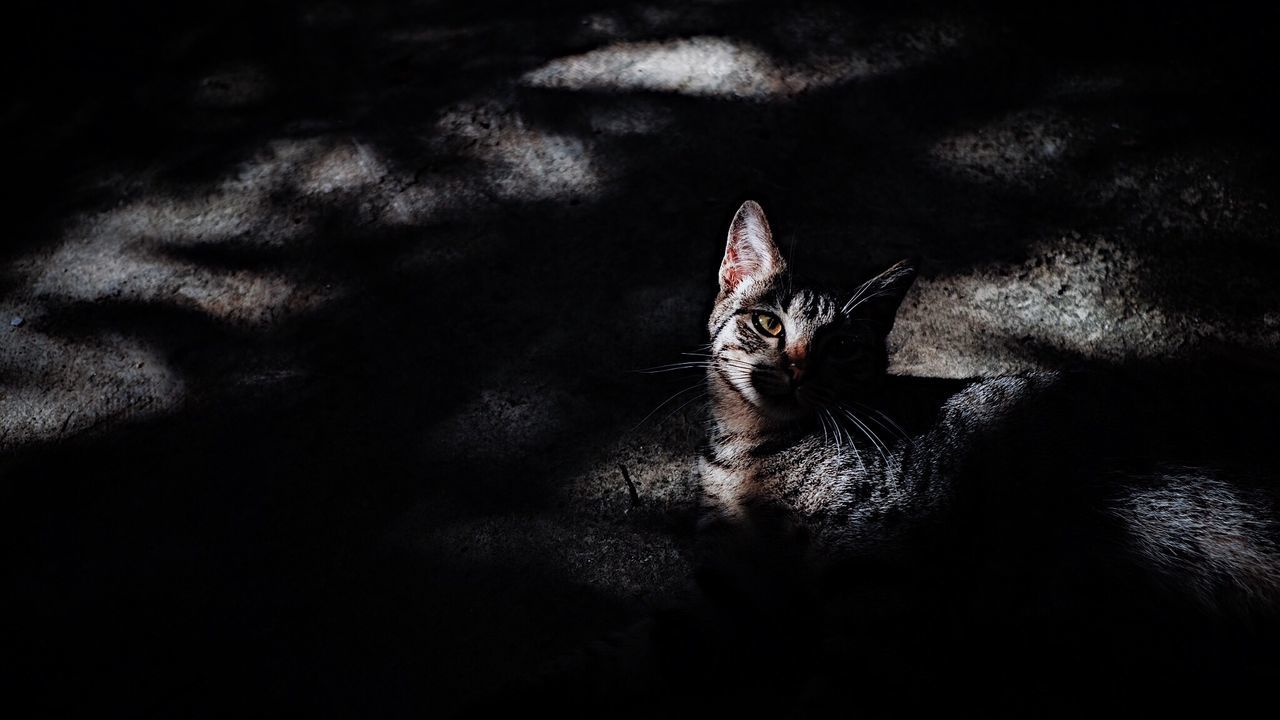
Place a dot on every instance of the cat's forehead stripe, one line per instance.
(810, 307)
(799, 303)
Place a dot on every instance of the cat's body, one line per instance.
(1072, 533)
(1094, 443)
(1033, 536)
(887, 545)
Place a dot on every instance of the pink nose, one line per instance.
(796, 366)
(796, 362)
(797, 372)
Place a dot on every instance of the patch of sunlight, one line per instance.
(346, 166)
(57, 387)
(104, 266)
(532, 165)
(245, 204)
(710, 66)
(520, 162)
(690, 66)
(112, 256)
(237, 206)
(119, 253)
(136, 253)
(1077, 295)
(509, 160)
(234, 210)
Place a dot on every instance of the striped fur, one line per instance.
(893, 547)
(826, 451)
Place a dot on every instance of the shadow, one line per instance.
(404, 288)
(1020, 581)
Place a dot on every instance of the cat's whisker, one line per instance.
(713, 356)
(885, 421)
(886, 279)
(724, 359)
(871, 435)
(841, 432)
(857, 456)
(881, 445)
(664, 403)
(823, 421)
(843, 413)
(851, 306)
(673, 367)
(705, 361)
(853, 446)
(836, 430)
(851, 302)
(700, 396)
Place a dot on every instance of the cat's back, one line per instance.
(1165, 466)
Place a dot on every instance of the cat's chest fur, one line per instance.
(859, 490)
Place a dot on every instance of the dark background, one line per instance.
(321, 320)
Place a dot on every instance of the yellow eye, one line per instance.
(767, 323)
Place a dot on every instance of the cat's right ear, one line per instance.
(750, 252)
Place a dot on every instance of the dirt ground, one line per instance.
(321, 323)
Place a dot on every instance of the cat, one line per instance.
(878, 545)
(1056, 520)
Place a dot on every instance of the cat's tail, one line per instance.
(1211, 536)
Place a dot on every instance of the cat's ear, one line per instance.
(878, 298)
(750, 251)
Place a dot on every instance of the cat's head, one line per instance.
(781, 349)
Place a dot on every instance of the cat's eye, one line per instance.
(767, 323)
(843, 349)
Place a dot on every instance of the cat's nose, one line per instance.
(796, 357)
(797, 371)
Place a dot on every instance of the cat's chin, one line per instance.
(784, 409)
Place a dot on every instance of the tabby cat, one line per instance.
(884, 546)
(1065, 534)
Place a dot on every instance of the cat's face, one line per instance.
(784, 352)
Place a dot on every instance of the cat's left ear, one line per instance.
(750, 251)
(878, 298)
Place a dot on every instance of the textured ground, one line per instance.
(320, 324)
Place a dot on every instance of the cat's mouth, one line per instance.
(813, 398)
(781, 398)
(772, 385)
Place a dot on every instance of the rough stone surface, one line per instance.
(326, 318)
